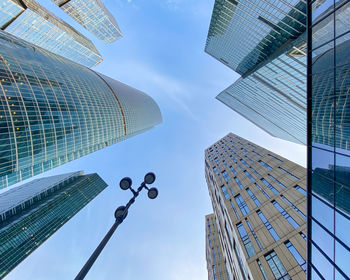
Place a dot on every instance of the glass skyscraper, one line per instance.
(265, 42)
(53, 110)
(94, 16)
(329, 139)
(31, 22)
(31, 213)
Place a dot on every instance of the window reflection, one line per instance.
(322, 264)
(324, 241)
(342, 257)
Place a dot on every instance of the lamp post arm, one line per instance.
(109, 234)
(97, 251)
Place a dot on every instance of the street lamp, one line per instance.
(120, 214)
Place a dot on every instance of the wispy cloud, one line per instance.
(169, 90)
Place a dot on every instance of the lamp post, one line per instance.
(120, 214)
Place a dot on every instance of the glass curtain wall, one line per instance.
(329, 139)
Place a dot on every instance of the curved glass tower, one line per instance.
(53, 110)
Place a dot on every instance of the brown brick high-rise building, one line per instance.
(259, 203)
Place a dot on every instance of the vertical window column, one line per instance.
(293, 206)
(296, 255)
(246, 241)
(253, 232)
(277, 267)
(268, 225)
(284, 213)
(242, 205)
(257, 202)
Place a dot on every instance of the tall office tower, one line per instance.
(53, 110)
(31, 213)
(259, 202)
(329, 140)
(264, 41)
(94, 16)
(216, 265)
(31, 22)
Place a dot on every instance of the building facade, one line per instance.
(259, 203)
(329, 140)
(53, 110)
(94, 16)
(216, 265)
(31, 213)
(28, 20)
(264, 41)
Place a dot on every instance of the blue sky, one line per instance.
(162, 54)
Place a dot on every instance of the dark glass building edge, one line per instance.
(35, 220)
(328, 138)
(281, 34)
(53, 110)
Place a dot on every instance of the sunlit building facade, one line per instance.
(259, 203)
(31, 213)
(31, 22)
(216, 265)
(94, 16)
(264, 41)
(53, 110)
(329, 140)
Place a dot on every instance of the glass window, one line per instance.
(342, 257)
(262, 269)
(293, 206)
(216, 171)
(323, 240)
(272, 188)
(278, 182)
(253, 232)
(342, 172)
(257, 153)
(244, 162)
(242, 205)
(323, 213)
(233, 170)
(277, 267)
(264, 193)
(255, 171)
(244, 150)
(249, 176)
(257, 202)
(302, 235)
(217, 160)
(296, 255)
(225, 175)
(287, 172)
(276, 158)
(268, 225)
(321, 263)
(300, 189)
(214, 272)
(224, 191)
(265, 165)
(285, 214)
(245, 239)
(239, 183)
(342, 227)
(213, 251)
